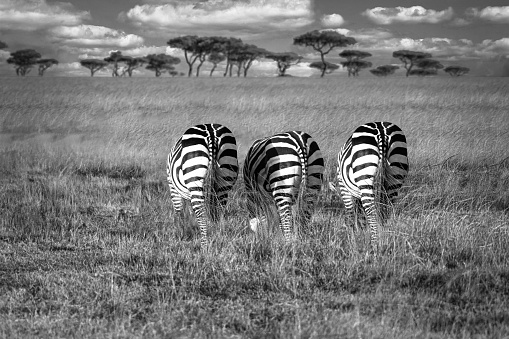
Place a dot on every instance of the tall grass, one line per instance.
(88, 247)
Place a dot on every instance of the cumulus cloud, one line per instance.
(414, 14)
(90, 35)
(332, 20)
(229, 15)
(31, 15)
(498, 14)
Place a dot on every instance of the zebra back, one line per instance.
(203, 167)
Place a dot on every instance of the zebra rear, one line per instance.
(202, 167)
(372, 166)
(289, 166)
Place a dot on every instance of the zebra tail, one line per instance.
(301, 203)
(381, 198)
(209, 194)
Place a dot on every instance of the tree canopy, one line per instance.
(410, 58)
(354, 66)
(131, 63)
(195, 49)
(385, 70)
(160, 63)
(353, 61)
(456, 70)
(325, 67)
(23, 60)
(93, 65)
(323, 42)
(244, 56)
(284, 61)
(44, 64)
(115, 58)
(215, 58)
(3, 45)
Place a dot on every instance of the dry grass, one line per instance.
(88, 248)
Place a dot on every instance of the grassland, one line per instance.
(88, 247)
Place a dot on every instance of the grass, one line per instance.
(88, 247)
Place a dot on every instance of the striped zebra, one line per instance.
(372, 166)
(289, 167)
(202, 167)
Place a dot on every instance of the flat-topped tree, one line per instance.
(324, 67)
(354, 66)
(284, 61)
(323, 42)
(229, 48)
(195, 49)
(410, 58)
(132, 63)
(426, 67)
(93, 65)
(44, 64)
(23, 60)
(215, 58)
(160, 63)
(244, 56)
(353, 61)
(385, 70)
(456, 71)
(114, 59)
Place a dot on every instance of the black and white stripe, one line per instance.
(375, 156)
(202, 167)
(289, 166)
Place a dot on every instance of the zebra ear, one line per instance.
(332, 187)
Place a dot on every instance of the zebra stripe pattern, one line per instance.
(202, 167)
(372, 165)
(288, 166)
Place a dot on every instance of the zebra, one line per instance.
(288, 166)
(203, 167)
(374, 156)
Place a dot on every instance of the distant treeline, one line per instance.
(240, 56)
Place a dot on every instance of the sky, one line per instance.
(471, 33)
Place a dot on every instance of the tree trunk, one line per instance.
(213, 69)
(324, 68)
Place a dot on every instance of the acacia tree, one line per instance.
(383, 71)
(229, 47)
(410, 58)
(160, 63)
(93, 65)
(456, 71)
(426, 67)
(44, 64)
(244, 56)
(323, 42)
(326, 67)
(353, 61)
(195, 49)
(284, 61)
(215, 58)
(23, 60)
(114, 59)
(131, 64)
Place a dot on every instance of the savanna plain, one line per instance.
(89, 247)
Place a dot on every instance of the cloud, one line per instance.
(90, 35)
(4, 55)
(230, 15)
(498, 14)
(414, 14)
(31, 15)
(332, 20)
